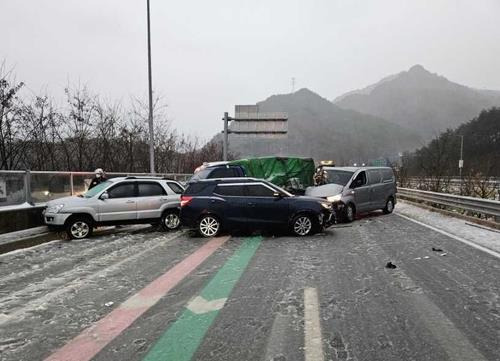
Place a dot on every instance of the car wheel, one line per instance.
(209, 226)
(349, 213)
(302, 225)
(170, 220)
(79, 228)
(389, 206)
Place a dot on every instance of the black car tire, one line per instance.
(170, 220)
(349, 213)
(209, 226)
(389, 206)
(79, 227)
(302, 225)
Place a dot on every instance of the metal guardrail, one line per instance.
(495, 181)
(470, 204)
(28, 188)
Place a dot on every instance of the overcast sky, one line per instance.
(210, 55)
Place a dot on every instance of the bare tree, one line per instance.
(12, 137)
(87, 132)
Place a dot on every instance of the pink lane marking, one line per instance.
(93, 339)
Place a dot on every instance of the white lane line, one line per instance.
(469, 243)
(312, 327)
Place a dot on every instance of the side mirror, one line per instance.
(104, 196)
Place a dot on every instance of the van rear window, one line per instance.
(387, 175)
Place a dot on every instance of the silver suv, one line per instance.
(127, 200)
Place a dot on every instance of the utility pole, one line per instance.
(293, 84)
(225, 143)
(150, 117)
(461, 161)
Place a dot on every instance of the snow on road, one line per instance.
(456, 226)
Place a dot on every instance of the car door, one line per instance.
(121, 204)
(150, 199)
(361, 192)
(376, 186)
(229, 203)
(264, 208)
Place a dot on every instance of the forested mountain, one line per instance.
(481, 151)
(420, 100)
(318, 128)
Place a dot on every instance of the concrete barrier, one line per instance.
(20, 218)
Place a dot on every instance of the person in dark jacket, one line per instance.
(99, 178)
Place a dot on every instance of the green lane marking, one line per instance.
(181, 340)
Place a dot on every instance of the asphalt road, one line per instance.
(169, 296)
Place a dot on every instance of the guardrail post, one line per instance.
(71, 183)
(27, 187)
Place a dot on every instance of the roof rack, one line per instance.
(142, 177)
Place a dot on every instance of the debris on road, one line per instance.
(109, 304)
(437, 249)
(426, 257)
(390, 265)
(443, 254)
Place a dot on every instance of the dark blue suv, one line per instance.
(213, 205)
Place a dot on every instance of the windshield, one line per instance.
(288, 194)
(92, 192)
(202, 174)
(340, 177)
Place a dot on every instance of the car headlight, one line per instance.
(326, 205)
(54, 209)
(335, 198)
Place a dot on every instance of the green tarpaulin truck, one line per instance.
(293, 173)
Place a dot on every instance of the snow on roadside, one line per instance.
(455, 226)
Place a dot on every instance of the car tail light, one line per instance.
(185, 200)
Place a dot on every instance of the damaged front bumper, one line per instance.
(328, 218)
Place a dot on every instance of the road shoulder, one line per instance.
(489, 239)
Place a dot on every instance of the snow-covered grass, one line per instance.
(458, 227)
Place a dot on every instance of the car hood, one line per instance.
(307, 198)
(325, 190)
(69, 201)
